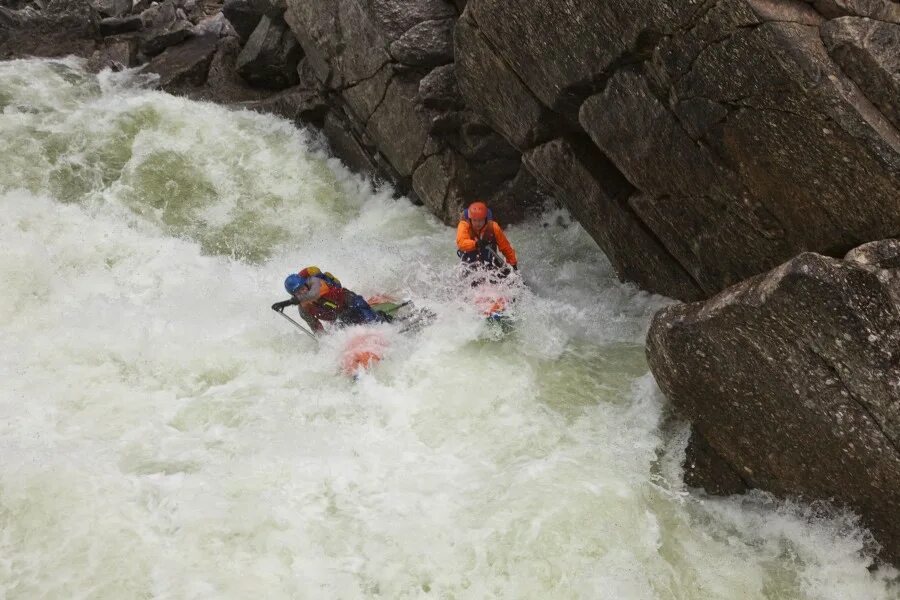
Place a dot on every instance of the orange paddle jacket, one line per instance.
(466, 236)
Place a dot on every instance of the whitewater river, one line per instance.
(164, 434)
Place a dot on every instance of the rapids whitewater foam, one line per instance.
(163, 435)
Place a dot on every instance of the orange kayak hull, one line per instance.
(362, 352)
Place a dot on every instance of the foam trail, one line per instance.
(164, 435)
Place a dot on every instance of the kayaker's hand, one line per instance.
(280, 306)
(515, 267)
(481, 244)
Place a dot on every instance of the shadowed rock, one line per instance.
(586, 183)
(156, 40)
(116, 25)
(498, 94)
(244, 16)
(117, 55)
(185, 65)
(269, 58)
(440, 90)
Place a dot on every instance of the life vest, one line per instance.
(486, 234)
(327, 277)
(333, 302)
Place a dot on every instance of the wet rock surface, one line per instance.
(793, 379)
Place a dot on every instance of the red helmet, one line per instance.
(478, 211)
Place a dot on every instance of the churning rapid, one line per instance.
(164, 434)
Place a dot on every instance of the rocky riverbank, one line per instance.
(724, 152)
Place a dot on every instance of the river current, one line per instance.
(164, 434)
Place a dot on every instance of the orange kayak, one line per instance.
(363, 351)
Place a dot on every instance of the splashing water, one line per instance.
(164, 435)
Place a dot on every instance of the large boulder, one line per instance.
(158, 39)
(222, 83)
(427, 44)
(185, 66)
(117, 55)
(440, 90)
(792, 378)
(118, 25)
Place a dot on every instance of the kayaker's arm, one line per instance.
(314, 323)
(504, 246)
(280, 306)
(464, 241)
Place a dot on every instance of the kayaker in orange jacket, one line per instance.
(479, 237)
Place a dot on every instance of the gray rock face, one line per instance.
(63, 27)
(489, 85)
(394, 128)
(397, 17)
(426, 44)
(388, 67)
(598, 197)
(185, 65)
(112, 8)
(793, 379)
(587, 39)
(869, 52)
(743, 139)
(216, 25)
(269, 58)
(118, 55)
(341, 39)
(160, 16)
(223, 84)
